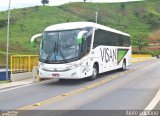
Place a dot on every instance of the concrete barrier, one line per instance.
(21, 76)
(35, 75)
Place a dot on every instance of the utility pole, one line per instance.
(7, 46)
(97, 13)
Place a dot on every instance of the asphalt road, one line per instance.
(132, 89)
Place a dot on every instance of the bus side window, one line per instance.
(86, 45)
(89, 43)
(99, 38)
(127, 41)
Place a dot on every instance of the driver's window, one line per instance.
(86, 44)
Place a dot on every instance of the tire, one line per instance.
(62, 80)
(123, 66)
(94, 73)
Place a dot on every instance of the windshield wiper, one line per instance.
(58, 49)
(51, 52)
(54, 50)
(62, 54)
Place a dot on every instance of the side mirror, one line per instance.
(34, 37)
(79, 39)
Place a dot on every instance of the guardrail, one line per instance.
(23, 63)
(141, 55)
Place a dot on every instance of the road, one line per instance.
(132, 89)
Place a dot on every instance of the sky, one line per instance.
(28, 3)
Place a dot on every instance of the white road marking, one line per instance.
(15, 87)
(154, 101)
(20, 86)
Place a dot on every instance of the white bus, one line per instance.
(82, 49)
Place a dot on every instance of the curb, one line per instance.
(135, 60)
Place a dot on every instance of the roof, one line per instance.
(78, 25)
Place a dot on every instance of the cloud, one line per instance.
(29, 3)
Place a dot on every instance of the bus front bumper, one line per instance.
(70, 74)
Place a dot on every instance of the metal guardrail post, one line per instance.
(11, 65)
(20, 69)
(29, 63)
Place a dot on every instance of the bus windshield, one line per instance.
(59, 46)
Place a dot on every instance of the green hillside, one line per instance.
(135, 18)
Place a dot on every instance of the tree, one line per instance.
(122, 6)
(84, 0)
(140, 42)
(3, 23)
(44, 2)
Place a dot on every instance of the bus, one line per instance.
(77, 50)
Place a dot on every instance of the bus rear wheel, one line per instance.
(94, 73)
(123, 66)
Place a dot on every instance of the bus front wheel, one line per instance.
(94, 73)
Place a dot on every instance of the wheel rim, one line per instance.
(94, 75)
(124, 66)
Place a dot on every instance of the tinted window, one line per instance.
(103, 37)
(86, 45)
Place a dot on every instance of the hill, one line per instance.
(135, 18)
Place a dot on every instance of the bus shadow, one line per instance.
(66, 82)
(109, 73)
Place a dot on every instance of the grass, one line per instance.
(135, 18)
(3, 82)
(27, 22)
(112, 15)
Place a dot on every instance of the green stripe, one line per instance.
(121, 54)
